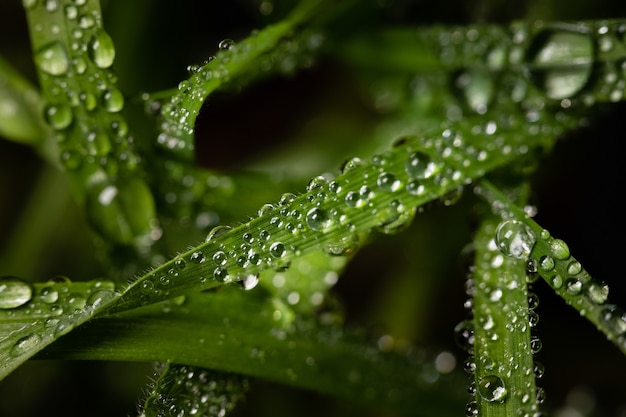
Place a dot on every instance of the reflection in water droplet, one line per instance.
(24, 345)
(419, 166)
(52, 59)
(561, 62)
(14, 292)
(491, 388)
(317, 219)
(515, 239)
(102, 50)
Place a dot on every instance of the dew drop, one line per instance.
(574, 268)
(24, 345)
(197, 257)
(561, 62)
(52, 59)
(464, 335)
(102, 50)
(49, 295)
(318, 219)
(58, 116)
(221, 274)
(386, 181)
(100, 298)
(14, 292)
(598, 292)
(226, 44)
(573, 286)
(277, 250)
(515, 239)
(249, 282)
(491, 388)
(351, 164)
(217, 231)
(420, 166)
(113, 100)
(219, 258)
(546, 263)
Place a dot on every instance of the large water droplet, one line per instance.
(317, 219)
(25, 344)
(561, 62)
(492, 388)
(277, 250)
(515, 239)
(52, 59)
(102, 50)
(419, 166)
(14, 292)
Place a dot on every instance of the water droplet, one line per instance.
(491, 388)
(226, 44)
(598, 292)
(102, 50)
(49, 295)
(58, 116)
(471, 409)
(100, 298)
(574, 268)
(420, 166)
(113, 100)
(386, 181)
(351, 164)
(217, 231)
(573, 286)
(219, 258)
(221, 274)
(197, 257)
(318, 219)
(249, 282)
(546, 263)
(52, 59)
(14, 292)
(464, 335)
(515, 239)
(476, 89)
(25, 344)
(277, 250)
(561, 62)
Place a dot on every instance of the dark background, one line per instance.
(575, 190)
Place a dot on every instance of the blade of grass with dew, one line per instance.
(71, 49)
(551, 258)
(236, 331)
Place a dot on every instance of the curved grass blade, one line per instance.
(182, 390)
(551, 259)
(234, 331)
(33, 316)
(278, 46)
(74, 56)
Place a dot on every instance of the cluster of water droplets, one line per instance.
(52, 308)
(589, 296)
(565, 62)
(192, 391)
(84, 108)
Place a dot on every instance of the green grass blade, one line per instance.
(74, 57)
(236, 331)
(551, 259)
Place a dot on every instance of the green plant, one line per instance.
(452, 122)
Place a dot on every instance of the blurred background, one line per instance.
(575, 191)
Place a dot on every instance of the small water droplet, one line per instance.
(219, 258)
(249, 282)
(546, 263)
(221, 274)
(226, 44)
(58, 116)
(492, 388)
(217, 231)
(351, 164)
(197, 257)
(464, 335)
(49, 295)
(52, 59)
(113, 100)
(100, 298)
(598, 292)
(25, 344)
(101, 49)
(420, 166)
(14, 292)
(277, 250)
(515, 239)
(386, 181)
